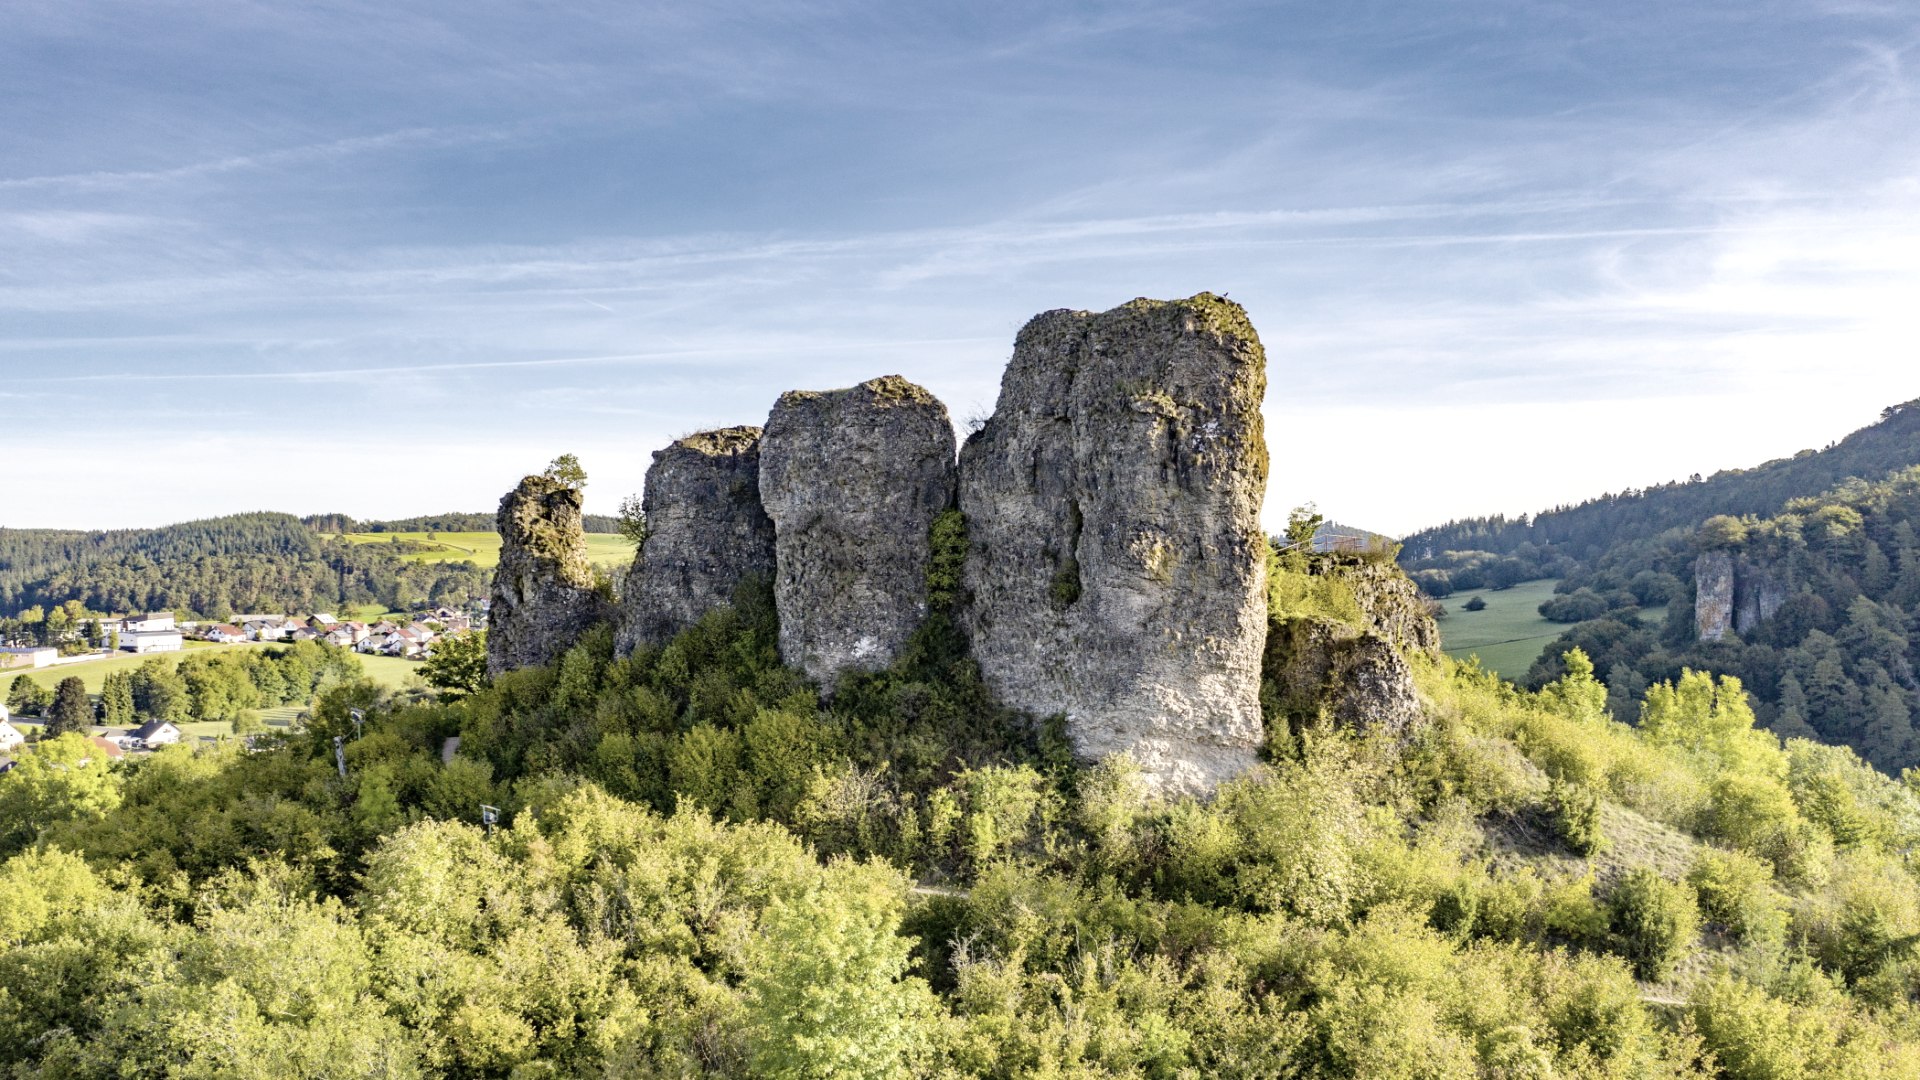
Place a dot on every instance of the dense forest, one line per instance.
(448, 522)
(1835, 661)
(700, 868)
(242, 563)
(1496, 551)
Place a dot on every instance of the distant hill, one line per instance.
(241, 562)
(1551, 543)
(1815, 559)
(452, 521)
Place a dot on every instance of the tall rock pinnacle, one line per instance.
(543, 595)
(1116, 572)
(853, 480)
(706, 534)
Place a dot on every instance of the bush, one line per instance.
(1653, 920)
(1736, 890)
(1478, 603)
(1576, 816)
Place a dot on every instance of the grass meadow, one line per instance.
(483, 548)
(1508, 635)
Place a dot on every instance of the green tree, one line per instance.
(566, 470)
(64, 779)
(827, 993)
(72, 710)
(458, 664)
(116, 699)
(1653, 920)
(27, 697)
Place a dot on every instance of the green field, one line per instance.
(483, 548)
(1508, 635)
(389, 671)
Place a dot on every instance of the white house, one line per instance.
(226, 634)
(10, 736)
(157, 620)
(153, 733)
(268, 628)
(150, 641)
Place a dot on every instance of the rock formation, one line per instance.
(1391, 602)
(853, 480)
(1116, 566)
(706, 534)
(543, 590)
(1713, 594)
(1323, 670)
(1733, 592)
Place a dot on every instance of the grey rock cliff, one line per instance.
(1116, 564)
(852, 480)
(543, 595)
(1758, 593)
(706, 535)
(1713, 594)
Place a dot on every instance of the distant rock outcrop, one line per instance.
(852, 480)
(706, 535)
(1116, 566)
(544, 595)
(1713, 594)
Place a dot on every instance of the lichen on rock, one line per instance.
(853, 480)
(706, 535)
(544, 593)
(1116, 568)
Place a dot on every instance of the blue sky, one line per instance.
(382, 257)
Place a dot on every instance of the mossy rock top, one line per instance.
(885, 391)
(720, 442)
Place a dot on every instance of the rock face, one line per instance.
(1321, 670)
(852, 480)
(1390, 600)
(1713, 594)
(1757, 594)
(706, 535)
(543, 595)
(1116, 567)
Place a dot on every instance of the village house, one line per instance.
(267, 627)
(107, 747)
(10, 736)
(321, 620)
(226, 634)
(153, 733)
(153, 621)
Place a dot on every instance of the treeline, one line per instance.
(1497, 551)
(700, 869)
(243, 563)
(226, 686)
(1837, 661)
(448, 522)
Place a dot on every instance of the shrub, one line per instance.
(1736, 890)
(1653, 920)
(1478, 603)
(1576, 816)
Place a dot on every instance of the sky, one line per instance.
(383, 258)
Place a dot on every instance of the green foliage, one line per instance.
(947, 537)
(1736, 891)
(1654, 920)
(458, 664)
(72, 710)
(1478, 603)
(565, 470)
(1575, 809)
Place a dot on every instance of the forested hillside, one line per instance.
(244, 562)
(1829, 537)
(448, 522)
(1491, 551)
(1836, 656)
(702, 870)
